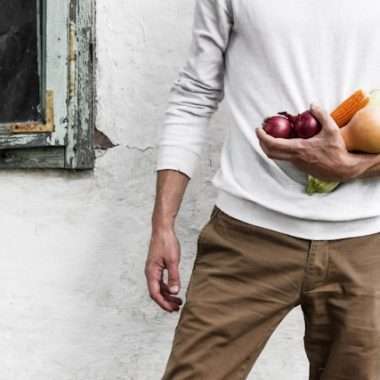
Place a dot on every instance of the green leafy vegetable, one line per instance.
(316, 185)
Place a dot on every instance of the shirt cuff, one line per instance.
(177, 158)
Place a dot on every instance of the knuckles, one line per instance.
(302, 149)
(172, 260)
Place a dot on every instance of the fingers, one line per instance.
(328, 123)
(173, 276)
(275, 154)
(166, 293)
(154, 274)
(278, 148)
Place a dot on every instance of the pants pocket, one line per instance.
(213, 215)
(215, 211)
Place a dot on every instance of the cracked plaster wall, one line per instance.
(74, 304)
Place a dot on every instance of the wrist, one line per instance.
(358, 163)
(162, 222)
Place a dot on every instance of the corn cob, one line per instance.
(347, 109)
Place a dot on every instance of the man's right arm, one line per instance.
(164, 250)
(194, 97)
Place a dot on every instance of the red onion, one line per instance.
(306, 125)
(290, 117)
(278, 126)
(288, 126)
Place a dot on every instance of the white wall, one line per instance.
(74, 304)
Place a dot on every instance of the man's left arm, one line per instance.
(371, 166)
(323, 156)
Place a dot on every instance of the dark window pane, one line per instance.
(19, 69)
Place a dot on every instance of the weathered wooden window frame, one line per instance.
(27, 145)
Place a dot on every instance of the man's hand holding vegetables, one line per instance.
(323, 156)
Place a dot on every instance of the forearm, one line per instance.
(170, 188)
(367, 165)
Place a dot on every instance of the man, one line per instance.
(268, 246)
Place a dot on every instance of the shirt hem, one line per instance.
(253, 213)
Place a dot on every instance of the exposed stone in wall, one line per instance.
(102, 141)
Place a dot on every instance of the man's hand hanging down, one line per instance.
(164, 254)
(164, 248)
(323, 156)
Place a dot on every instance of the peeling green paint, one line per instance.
(70, 41)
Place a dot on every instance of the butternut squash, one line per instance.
(362, 133)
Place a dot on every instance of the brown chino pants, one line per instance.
(246, 279)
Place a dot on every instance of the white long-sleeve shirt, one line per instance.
(266, 56)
